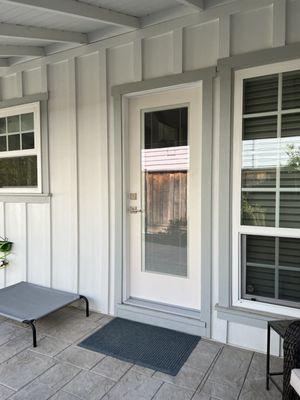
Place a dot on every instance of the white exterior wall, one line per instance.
(65, 241)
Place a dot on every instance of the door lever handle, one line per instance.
(135, 210)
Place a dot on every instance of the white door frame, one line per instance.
(197, 323)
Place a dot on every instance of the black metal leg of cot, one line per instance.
(268, 358)
(87, 306)
(31, 323)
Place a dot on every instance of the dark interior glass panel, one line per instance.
(261, 249)
(166, 128)
(289, 285)
(27, 122)
(258, 208)
(261, 94)
(2, 125)
(13, 142)
(290, 125)
(260, 128)
(13, 124)
(3, 143)
(27, 140)
(260, 281)
(289, 210)
(291, 90)
(18, 172)
(289, 252)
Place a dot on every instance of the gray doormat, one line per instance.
(149, 346)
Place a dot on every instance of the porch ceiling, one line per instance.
(35, 28)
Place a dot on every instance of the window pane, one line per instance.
(28, 140)
(260, 128)
(290, 151)
(165, 164)
(261, 250)
(18, 172)
(261, 94)
(289, 285)
(2, 125)
(2, 143)
(13, 142)
(289, 252)
(260, 265)
(13, 124)
(166, 128)
(291, 90)
(260, 281)
(290, 210)
(27, 122)
(258, 208)
(260, 152)
(258, 178)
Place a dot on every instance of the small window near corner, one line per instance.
(20, 149)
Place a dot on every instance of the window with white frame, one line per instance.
(266, 186)
(20, 149)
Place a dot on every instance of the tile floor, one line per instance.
(59, 370)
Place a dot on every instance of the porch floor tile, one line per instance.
(59, 370)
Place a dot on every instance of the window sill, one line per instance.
(247, 316)
(25, 197)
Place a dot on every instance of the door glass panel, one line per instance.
(165, 165)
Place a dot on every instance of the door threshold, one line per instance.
(165, 308)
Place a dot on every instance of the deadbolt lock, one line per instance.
(135, 210)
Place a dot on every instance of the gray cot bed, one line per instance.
(26, 303)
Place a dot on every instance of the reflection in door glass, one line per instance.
(165, 165)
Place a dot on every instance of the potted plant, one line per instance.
(5, 250)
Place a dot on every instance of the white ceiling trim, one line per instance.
(197, 4)
(30, 32)
(83, 10)
(16, 51)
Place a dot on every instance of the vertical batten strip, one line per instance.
(74, 161)
(19, 83)
(279, 23)
(46, 158)
(206, 202)
(44, 133)
(103, 97)
(138, 60)
(224, 36)
(224, 200)
(177, 51)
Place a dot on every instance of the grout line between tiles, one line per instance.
(244, 380)
(208, 372)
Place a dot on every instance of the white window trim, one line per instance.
(17, 110)
(237, 228)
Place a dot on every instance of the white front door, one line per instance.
(164, 197)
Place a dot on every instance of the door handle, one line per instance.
(135, 210)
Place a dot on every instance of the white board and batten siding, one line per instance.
(64, 242)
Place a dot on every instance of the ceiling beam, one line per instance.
(18, 51)
(196, 4)
(83, 10)
(50, 35)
